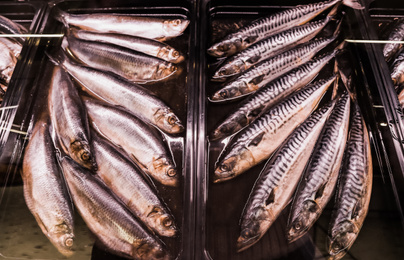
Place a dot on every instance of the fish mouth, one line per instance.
(244, 243)
(222, 176)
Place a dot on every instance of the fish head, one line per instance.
(229, 69)
(226, 47)
(165, 70)
(149, 250)
(163, 222)
(175, 26)
(233, 165)
(170, 54)
(343, 236)
(63, 239)
(166, 171)
(80, 152)
(167, 121)
(303, 220)
(231, 91)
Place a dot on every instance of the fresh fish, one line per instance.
(320, 177)
(148, 27)
(14, 47)
(107, 218)
(397, 34)
(353, 190)
(397, 73)
(279, 178)
(132, 65)
(271, 25)
(149, 46)
(268, 70)
(270, 47)
(7, 63)
(9, 27)
(118, 91)
(260, 139)
(45, 191)
(128, 183)
(69, 118)
(270, 94)
(139, 140)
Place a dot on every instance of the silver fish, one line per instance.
(268, 70)
(272, 24)
(45, 191)
(320, 177)
(148, 46)
(69, 118)
(128, 183)
(148, 27)
(9, 27)
(107, 218)
(353, 190)
(277, 181)
(397, 73)
(139, 140)
(259, 140)
(270, 94)
(15, 47)
(269, 47)
(132, 65)
(7, 62)
(118, 91)
(397, 34)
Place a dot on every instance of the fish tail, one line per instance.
(57, 58)
(353, 4)
(60, 16)
(346, 80)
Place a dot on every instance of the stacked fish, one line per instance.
(10, 49)
(276, 121)
(109, 139)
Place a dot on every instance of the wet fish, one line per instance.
(320, 177)
(132, 65)
(118, 91)
(14, 47)
(148, 46)
(128, 183)
(139, 140)
(397, 73)
(270, 47)
(7, 63)
(148, 27)
(45, 191)
(397, 34)
(268, 70)
(272, 24)
(353, 190)
(107, 218)
(260, 139)
(69, 118)
(270, 94)
(9, 27)
(279, 178)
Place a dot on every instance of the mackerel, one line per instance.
(353, 190)
(320, 177)
(269, 95)
(259, 140)
(272, 24)
(268, 70)
(277, 181)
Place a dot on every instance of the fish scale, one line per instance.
(269, 95)
(322, 170)
(279, 177)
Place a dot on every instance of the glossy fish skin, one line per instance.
(353, 190)
(132, 65)
(268, 70)
(269, 47)
(391, 49)
(279, 178)
(397, 73)
(107, 218)
(320, 177)
(7, 62)
(143, 26)
(45, 191)
(69, 118)
(139, 140)
(268, 95)
(14, 47)
(148, 46)
(260, 139)
(9, 27)
(118, 91)
(128, 183)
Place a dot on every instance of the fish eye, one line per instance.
(223, 94)
(176, 54)
(167, 222)
(177, 22)
(171, 172)
(298, 225)
(224, 167)
(223, 47)
(69, 242)
(85, 156)
(336, 246)
(171, 120)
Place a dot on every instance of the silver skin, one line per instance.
(277, 181)
(270, 94)
(45, 191)
(320, 176)
(354, 189)
(142, 142)
(7, 62)
(15, 47)
(132, 65)
(130, 185)
(268, 70)
(118, 91)
(397, 73)
(107, 218)
(272, 24)
(397, 34)
(142, 26)
(69, 118)
(9, 27)
(259, 140)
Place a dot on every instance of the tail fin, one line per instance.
(61, 16)
(57, 58)
(354, 4)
